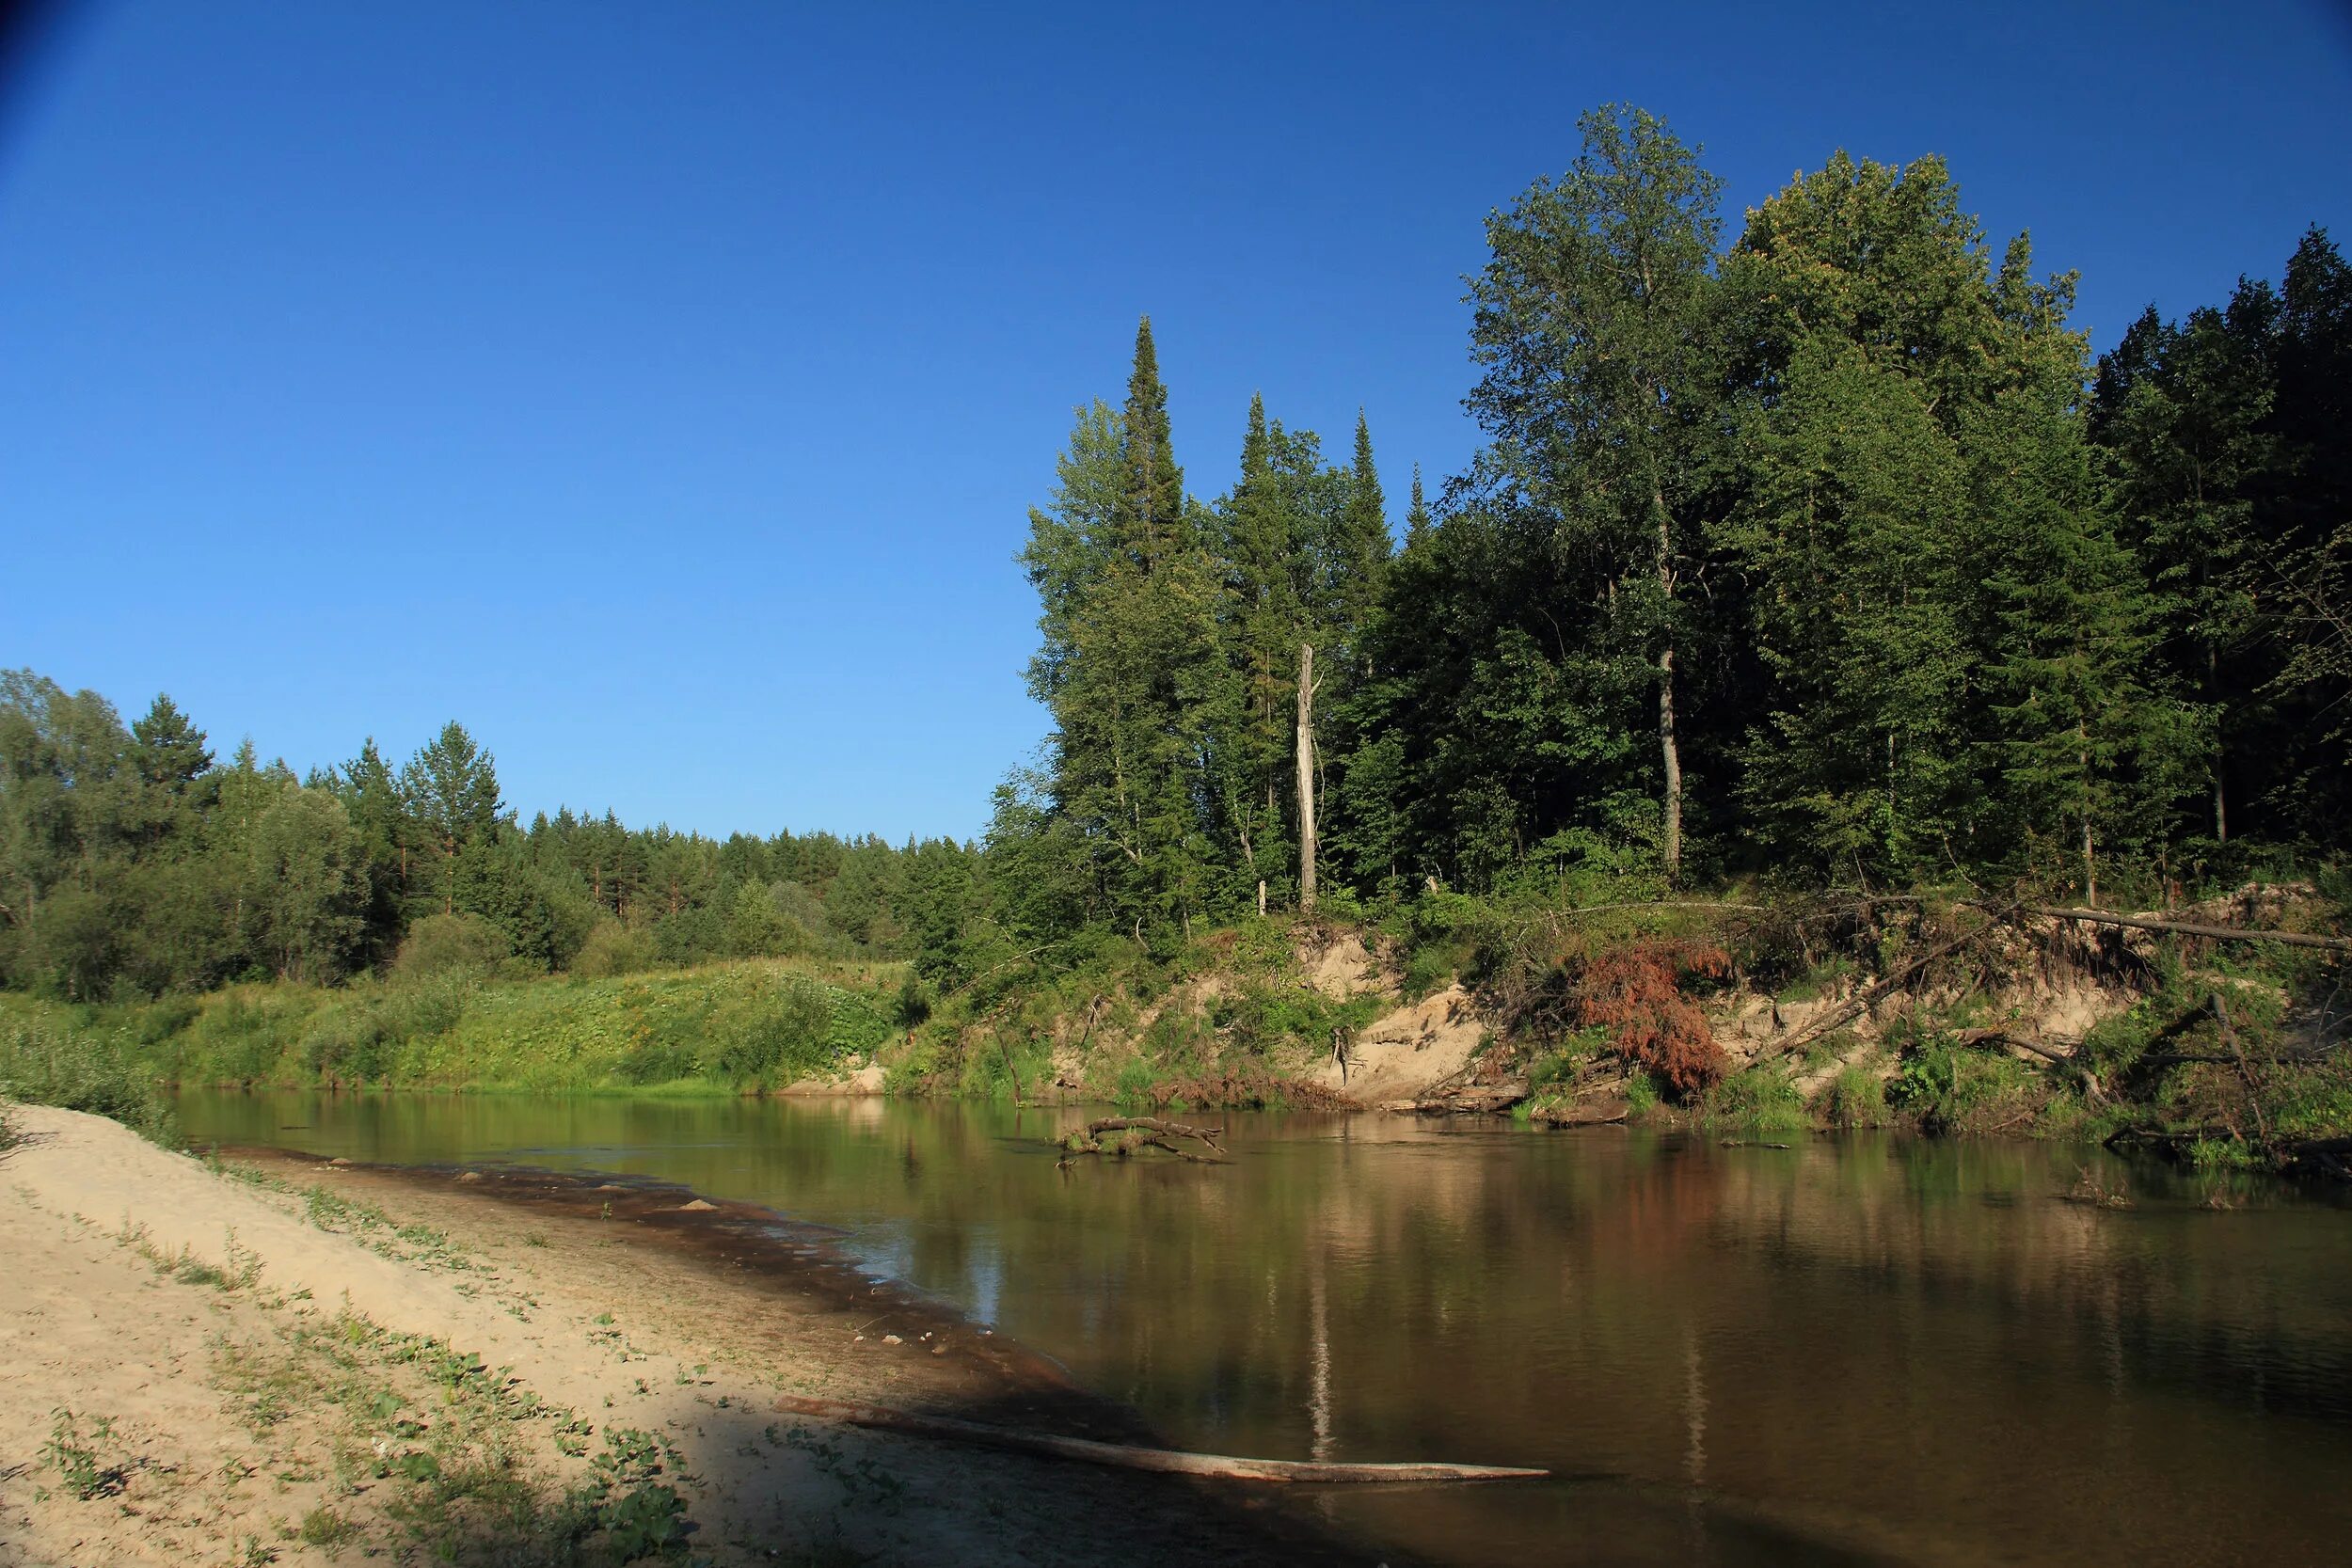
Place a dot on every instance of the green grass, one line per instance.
(1761, 1101)
(721, 1029)
(47, 1059)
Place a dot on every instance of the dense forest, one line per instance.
(1827, 557)
(135, 864)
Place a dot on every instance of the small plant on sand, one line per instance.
(78, 1456)
(324, 1526)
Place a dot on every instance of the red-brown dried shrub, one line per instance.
(1635, 993)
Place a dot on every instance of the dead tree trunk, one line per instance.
(1306, 777)
(1670, 749)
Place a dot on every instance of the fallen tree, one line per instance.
(2190, 927)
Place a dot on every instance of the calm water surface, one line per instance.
(1858, 1349)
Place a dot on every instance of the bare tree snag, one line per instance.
(1127, 1456)
(1306, 777)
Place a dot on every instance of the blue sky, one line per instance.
(660, 389)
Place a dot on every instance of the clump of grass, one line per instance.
(1762, 1101)
(1856, 1098)
(50, 1062)
(325, 1528)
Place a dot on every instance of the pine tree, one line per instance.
(451, 789)
(1131, 663)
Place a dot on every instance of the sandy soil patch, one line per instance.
(1405, 1053)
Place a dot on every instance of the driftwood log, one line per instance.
(1156, 1132)
(1127, 1456)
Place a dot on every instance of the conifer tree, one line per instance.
(1131, 664)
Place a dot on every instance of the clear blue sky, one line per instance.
(660, 388)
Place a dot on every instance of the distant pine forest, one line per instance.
(1825, 557)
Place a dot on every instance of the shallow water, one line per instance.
(1865, 1349)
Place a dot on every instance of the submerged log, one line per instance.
(1128, 1456)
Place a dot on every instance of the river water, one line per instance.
(1868, 1349)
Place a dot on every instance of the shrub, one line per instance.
(1952, 1088)
(1858, 1097)
(612, 948)
(781, 1032)
(1641, 1096)
(1763, 1100)
(445, 944)
(1634, 992)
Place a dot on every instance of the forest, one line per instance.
(1824, 557)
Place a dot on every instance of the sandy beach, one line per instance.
(263, 1358)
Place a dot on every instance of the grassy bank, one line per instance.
(732, 1028)
(1686, 1011)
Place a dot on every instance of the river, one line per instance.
(1867, 1349)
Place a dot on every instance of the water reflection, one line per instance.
(1871, 1348)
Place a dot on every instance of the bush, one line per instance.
(1952, 1088)
(447, 944)
(1763, 1100)
(778, 1033)
(1635, 993)
(612, 948)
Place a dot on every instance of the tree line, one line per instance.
(132, 863)
(1827, 554)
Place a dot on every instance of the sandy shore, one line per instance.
(283, 1360)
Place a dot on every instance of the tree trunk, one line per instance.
(1306, 777)
(2221, 800)
(2090, 866)
(1670, 752)
(1673, 757)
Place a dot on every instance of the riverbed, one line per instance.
(1868, 1349)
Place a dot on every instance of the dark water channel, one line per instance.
(1868, 1349)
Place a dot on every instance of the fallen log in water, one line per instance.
(1145, 1132)
(1126, 1456)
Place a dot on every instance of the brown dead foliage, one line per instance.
(1635, 993)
